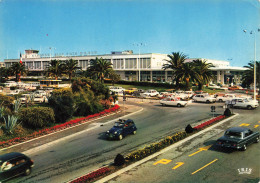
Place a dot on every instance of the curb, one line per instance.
(113, 175)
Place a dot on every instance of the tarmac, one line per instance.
(49, 138)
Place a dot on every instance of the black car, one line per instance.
(14, 164)
(121, 129)
(238, 138)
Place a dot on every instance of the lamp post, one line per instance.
(252, 32)
(139, 60)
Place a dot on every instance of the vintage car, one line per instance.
(203, 98)
(150, 93)
(238, 138)
(14, 164)
(225, 97)
(245, 103)
(173, 102)
(121, 129)
(130, 91)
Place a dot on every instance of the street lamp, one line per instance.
(252, 32)
(50, 51)
(139, 60)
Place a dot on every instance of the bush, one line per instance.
(189, 129)
(6, 101)
(63, 104)
(36, 117)
(119, 160)
(227, 112)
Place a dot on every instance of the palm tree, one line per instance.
(175, 63)
(55, 69)
(17, 69)
(248, 75)
(100, 68)
(70, 67)
(186, 73)
(203, 75)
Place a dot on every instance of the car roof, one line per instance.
(11, 155)
(237, 129)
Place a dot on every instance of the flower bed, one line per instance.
(57, 127)
(209, 122)
(89, 177)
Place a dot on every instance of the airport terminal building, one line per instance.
(130, 66)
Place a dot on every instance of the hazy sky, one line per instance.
(210, 29)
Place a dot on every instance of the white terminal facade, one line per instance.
(130, 66)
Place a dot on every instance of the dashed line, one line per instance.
(205, 166)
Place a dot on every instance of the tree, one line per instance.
(248, 75)
(113, 76)
(70, 67)
(175, 63)
(4, 73)
(203, 75)
(55, 69)
(186, 73)
(17, 69)
(99, 68)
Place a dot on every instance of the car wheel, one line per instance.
(178, 105)
(220, 100)
(120, 137)
(249, 107)
(244, 147)
(134, 132)
(257, 139)
(207, 101)
(27, 171)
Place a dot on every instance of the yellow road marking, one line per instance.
(201, 149)
(244, 124)
(178, 165)
(256, 126)
(205, 166)
(163, 161)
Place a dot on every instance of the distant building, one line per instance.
(130, 66)
(2, 64)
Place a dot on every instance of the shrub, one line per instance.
(119, 160)
(227, 112)
(36, 117)
(6, 101)
(189, 129)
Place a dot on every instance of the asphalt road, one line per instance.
(200, 160)
(87, 151)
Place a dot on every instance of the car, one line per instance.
(149, 93)
(225, 97)
(203, 98)
(14, 164)
(173, 102)
(130, 91)
(117, 90)
(242, 103)
(121, 129)
(238, 138)
(235, 88)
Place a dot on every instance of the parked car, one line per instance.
(14, 164)
(117, 90)
(242, 103)
(225, 97)
(203, 98)
(235, 88)
(121, 129)
(130, 91)
(150, 93)
(173, 102)
(238, 138)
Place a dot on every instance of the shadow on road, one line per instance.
(214, 147)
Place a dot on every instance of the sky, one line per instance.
(210, 29)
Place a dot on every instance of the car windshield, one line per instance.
(231, 134)
(119, 124)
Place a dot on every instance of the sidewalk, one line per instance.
(124, 110)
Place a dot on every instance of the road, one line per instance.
(199, 160)
(87, 151)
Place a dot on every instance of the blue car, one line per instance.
(121, 129)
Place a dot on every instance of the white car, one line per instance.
(242, 103)
(225, 97)
(204, 98)
(117, 90)
(173, 102)
(150, 93)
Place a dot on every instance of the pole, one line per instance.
(255, 67)
(139, 65)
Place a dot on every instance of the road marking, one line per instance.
(205, 166)
(244, 124)
(139, 102)
(163, 161)
(178, 165)
(256, 126)
(201, 149)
